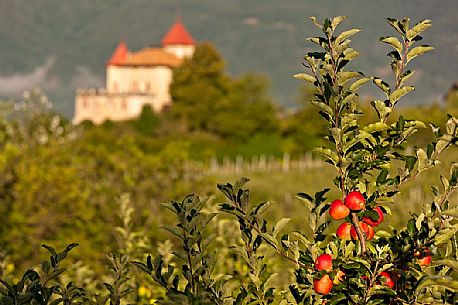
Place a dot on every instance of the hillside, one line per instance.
(60, 45)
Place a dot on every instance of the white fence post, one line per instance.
(286, 162)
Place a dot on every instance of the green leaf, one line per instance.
(307, 199)
(336, 134)
(174, 230)
(418, 51)
(70, 247)
(445, 235)
(447, 262)
(376, 127)
(357, 84)
(322, 42)
(262, 207)
(397, 94)
(327, 153)
(50, 249)
(404, 24)
(301, 237)
(381, 178)
(441, 281)
(323, 107)
(337, 20)
(423, 162)
(344, 35)
(418, 29)
(315, 55)
(45, 266)
(382, 233)
(270, 240)
(318, 25)
(419, 221)
(168, 205)
(327, 26)
(240, 183)
(363, 135)
(395, 24)
(415, 123)
(343, 77)
(306, 77)
(406, 76)
(362, 261)
(337, 298)
(280, 225)
(382, 85)
(394, 42)
(350, 54)
(381, 108)
(451, 212)
(142, 266)
(445, 182)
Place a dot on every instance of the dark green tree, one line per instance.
(147, 121)
(197, 86)
(246, 110)
(304, 128)
(206, 99)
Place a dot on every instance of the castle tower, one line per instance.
(117, 59)
(179, 41)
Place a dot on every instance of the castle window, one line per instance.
(135, 86)
(148, 87)
(85, 103)
(123, 104)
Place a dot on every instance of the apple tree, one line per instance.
(358, 263)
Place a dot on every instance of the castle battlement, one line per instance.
(91, 91)
(88, 92)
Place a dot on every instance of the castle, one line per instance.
(135, 79)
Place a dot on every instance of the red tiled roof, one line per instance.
(119, 54)
(151, 57)
(178, 35)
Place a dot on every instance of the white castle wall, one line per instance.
(181, 51)
(141, 80)
(101, 106)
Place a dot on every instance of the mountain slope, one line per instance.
(60, 45)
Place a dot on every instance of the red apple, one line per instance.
(355, 201)
(343, 231)
(425, 261)
(375, 222)
(323, 262)
(388, 280)
(338, 210)
(425, 258)
(370, 232)
(364, 228)
(323, 285)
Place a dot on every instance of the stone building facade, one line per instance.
(135, 79)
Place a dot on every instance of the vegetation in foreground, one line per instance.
(209, 264)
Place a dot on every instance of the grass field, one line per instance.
(281, 187)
